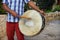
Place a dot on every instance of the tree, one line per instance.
(45, 4)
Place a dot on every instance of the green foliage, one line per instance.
(57, 8)
(47, 11)
(26, 7)
(1, 10)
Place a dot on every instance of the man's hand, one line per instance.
(13, 13)
(42, 12)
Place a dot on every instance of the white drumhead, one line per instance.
(33, 26)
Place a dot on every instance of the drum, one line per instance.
(33, 26)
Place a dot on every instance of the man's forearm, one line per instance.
(33, 6)
(6, 8)
(36, 8)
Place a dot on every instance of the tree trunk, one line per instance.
(58, 2)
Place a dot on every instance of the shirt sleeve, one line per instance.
(5, 1)
(26, 1)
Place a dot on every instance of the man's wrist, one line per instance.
(18, 16)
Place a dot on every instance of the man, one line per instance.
(15, 8)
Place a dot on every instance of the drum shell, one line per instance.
(43, 24)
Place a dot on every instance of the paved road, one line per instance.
(50, 32)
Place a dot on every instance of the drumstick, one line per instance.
(25, 17)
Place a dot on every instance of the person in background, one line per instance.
(14, 9)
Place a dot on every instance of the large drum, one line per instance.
(33, 26)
